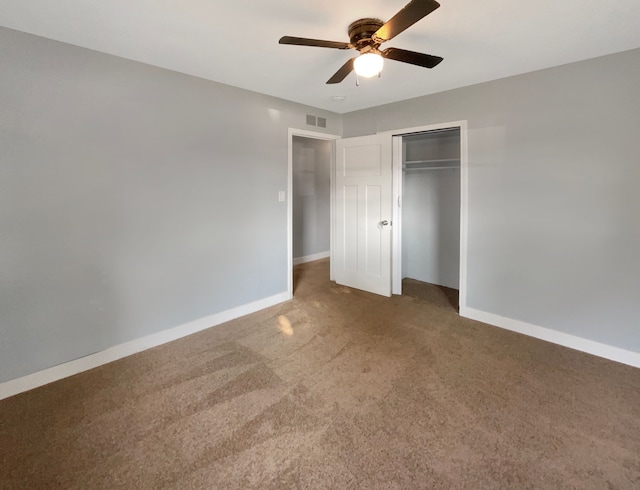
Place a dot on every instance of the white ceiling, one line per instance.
(236, 42)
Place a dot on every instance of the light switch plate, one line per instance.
(281, 196)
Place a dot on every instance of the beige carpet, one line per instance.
(335, 389)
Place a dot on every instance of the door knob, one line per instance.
(384, 223)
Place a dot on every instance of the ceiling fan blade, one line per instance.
(409, 15)
(420, 59)
(303, 41)
(342, 73)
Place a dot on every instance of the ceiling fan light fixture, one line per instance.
(368, 65)
(367, 34)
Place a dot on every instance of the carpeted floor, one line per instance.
(335, 389)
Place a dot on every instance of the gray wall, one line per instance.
(132, 199)
(554, 167)
(431, 226)
(311, 195)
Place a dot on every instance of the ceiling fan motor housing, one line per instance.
(362, 30)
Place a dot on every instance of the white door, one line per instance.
(362, 255)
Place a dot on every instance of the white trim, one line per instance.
(396, 241)
(311, 258)
(40, 378)
(422, 129)
(316, 135)
(396, 269)
(464, 212)
(554, 336)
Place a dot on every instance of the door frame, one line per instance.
(319, 136)
(396, 248)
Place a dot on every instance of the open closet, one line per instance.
(431, 207)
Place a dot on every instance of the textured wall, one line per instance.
(132, 199)
(554, 166)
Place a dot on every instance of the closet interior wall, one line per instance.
(431, 207)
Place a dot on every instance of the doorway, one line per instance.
(430, 206)
(310, 205)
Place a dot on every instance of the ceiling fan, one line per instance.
(366, 36)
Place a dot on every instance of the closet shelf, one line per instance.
(431, 164)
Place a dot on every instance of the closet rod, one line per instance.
(429, 168)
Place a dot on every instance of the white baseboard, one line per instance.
(578, 343)
(311, 258)
(40, 378)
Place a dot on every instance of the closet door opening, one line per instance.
(430, 209)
